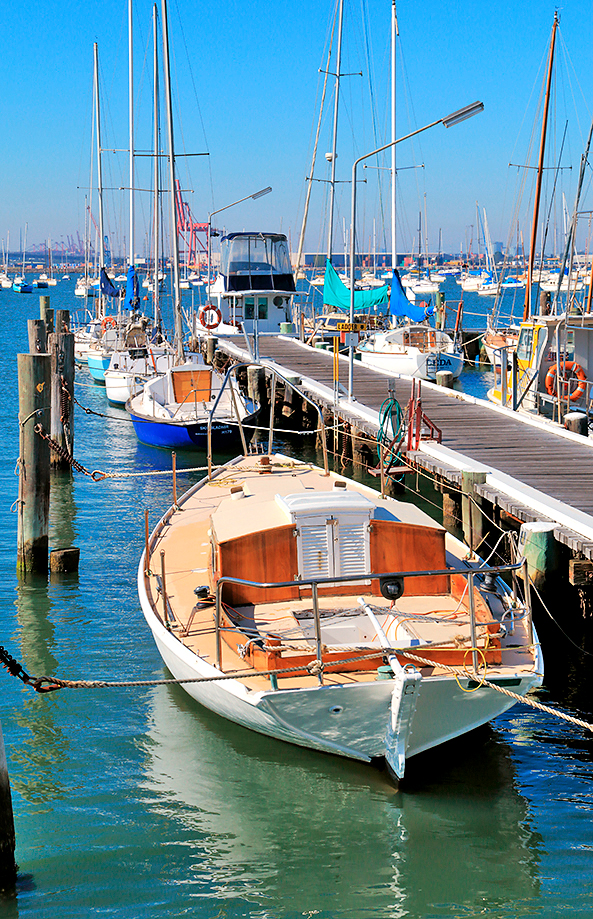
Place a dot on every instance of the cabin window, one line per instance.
(525, 344)
(249, 307)
(262, 307)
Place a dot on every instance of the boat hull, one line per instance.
(424, 366)
(184, 436)
(347, 720)
(98, 364)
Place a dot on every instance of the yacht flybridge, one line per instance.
(255, 284)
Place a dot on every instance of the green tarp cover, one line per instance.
(336, 294)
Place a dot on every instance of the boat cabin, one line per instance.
(256, 282)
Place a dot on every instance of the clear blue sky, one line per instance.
(247, 84)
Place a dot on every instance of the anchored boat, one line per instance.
(307, 607)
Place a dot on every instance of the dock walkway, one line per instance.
(534, 470)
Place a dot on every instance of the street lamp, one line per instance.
(257, 194)
(460, 115)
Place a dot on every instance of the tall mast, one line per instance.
(131, 127)
(394, 34)
(172, 197)
(99, 173)
(540, 169)
(156, 167)
(333, 154)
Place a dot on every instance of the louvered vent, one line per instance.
(351, 549)
(315, 557)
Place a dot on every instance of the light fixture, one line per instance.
(468, 111)
(265, 191)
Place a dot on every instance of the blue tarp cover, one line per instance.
(132, 298)
(399, 305)
(336, 294)
(107, 288)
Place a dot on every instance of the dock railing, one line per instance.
(488, 575)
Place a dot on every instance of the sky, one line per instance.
(246, 91)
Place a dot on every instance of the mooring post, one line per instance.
(37, 336)
(537, 543)
(46, 313)
(33, 499)
(7, 836)
(474, 528)
(451, 509)
(62, 320)
(61, 349)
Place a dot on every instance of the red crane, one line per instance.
(188, 229)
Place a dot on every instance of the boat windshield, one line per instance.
(257, 261)
(261, 254)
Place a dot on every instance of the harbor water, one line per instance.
(135, 803)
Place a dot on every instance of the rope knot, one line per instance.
(315, 667)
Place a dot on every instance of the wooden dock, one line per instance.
(531, 469)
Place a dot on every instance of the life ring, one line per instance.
(215, 312)
(108, 323)
(579, 373)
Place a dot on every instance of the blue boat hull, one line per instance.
(156, 433)
(98, 366)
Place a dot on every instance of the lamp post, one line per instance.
(454, 118)
(257, 194)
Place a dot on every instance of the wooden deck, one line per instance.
(536, 457)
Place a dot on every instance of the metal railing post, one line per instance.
(272, 411)
(472, 619)
(315, 599)
(528, 608)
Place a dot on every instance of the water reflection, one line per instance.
(44, 745)
(277, 825)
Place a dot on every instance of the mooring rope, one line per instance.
(50, 684)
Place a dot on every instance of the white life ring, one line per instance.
(210, 317)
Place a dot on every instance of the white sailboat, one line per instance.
(306, 607)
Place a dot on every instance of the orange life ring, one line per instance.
(209, 308)
(108, 323)
(579, 373)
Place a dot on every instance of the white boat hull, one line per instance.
(425, 366)
(349, 720)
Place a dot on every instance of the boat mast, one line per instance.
(394, 35)
(314, 159)
(156, 291)
(131, 127)
(333, 154)
(101, 310)
(180, 356)
(540, 169)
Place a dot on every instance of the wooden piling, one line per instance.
(451, 510)
(64, 561)
(444, 378)
(33, 499)
(62, 320)
(7, 835)
(46, 313)
(61, 349)
(211, 345)
(538, 544)
(474, 528)
(577, 422)
(37, 336)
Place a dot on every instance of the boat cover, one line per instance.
(336, 294)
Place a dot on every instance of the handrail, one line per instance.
(314, 583)
(275, 376)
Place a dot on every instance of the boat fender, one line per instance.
(550, 381)
(210, 317)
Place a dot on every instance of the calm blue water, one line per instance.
(135, 803)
